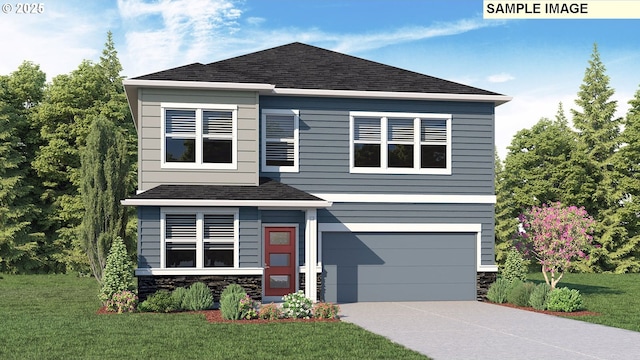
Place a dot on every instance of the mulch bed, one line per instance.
(555, 313)
(215, 316)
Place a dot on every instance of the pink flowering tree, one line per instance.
(555, 235)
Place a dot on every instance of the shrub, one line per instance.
(538, 299)
(118, 273)
(497, 292)
(296, 305)
(520, 293)
(230, 302)
(564, 299)
(122, 301)
(197, 297)
(323, 310)
(248, 308)
(270, 312)
(514, 267)
(178, 295)
(160, 301)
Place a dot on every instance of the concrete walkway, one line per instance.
(475, 330)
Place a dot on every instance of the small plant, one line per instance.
(160, 301)
(564, 299)
(520, 293)
(296, 305)
(249, 308)
(538, 299)
(515, 267)
(230, 302)
(270, 312)
(118, 273)
(197, 297)
(498, 291)
(178, 295)
(122, 301)
(324, 310)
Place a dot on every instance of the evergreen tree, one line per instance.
(71, 103)
(21, 242)
(542, 166)
(103, 174)
(598, 138)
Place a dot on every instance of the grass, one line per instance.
(615, 297)
(54, 317)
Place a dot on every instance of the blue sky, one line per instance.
(538, 62)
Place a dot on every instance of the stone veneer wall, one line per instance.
(252, 284)
(302, 283)
(483, 281)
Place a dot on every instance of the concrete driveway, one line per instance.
(475, 330)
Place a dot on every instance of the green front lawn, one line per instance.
(54, 317)
(615, 297)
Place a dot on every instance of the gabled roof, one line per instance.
(269, 193)
(301, 66)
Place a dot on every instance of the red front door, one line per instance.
(280, 260)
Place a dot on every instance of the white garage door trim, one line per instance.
(395, 227)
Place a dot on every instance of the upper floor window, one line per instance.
(280, 138)
(400, 143)
(199, 136)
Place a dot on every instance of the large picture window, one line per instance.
(280, 140)
(199, 239)
(400, 143)
(199, 135)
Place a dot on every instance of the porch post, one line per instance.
(311, 254)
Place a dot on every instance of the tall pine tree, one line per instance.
(22, 248)
(598, 138)
(103, 174)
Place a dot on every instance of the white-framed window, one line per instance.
(400, 143)
(280, 140)
(199, 135)
(199, 238)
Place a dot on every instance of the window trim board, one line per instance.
(199, 108)
(296, 140)
(200, 212)
(384, 143)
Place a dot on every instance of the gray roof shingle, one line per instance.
(301, 66)
(268, 189)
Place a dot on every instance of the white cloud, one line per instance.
(58, 39)
(255, 21)
(169, 33)
(500, 78)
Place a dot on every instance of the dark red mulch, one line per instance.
(215, 316)
(555, 313)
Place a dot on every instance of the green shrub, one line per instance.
(515, 267)
(197, 297)
(520, 293)
(178, 295)
(324, 310)
(270, 312)
(230, 302)
(118, 272)
(497, 292)
(160, 301)
(538, 299)
(296, 305)
(232, 289)
(564, 299)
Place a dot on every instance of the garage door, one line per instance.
(398, 266)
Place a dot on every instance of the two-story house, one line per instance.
(298, 167)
